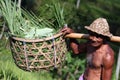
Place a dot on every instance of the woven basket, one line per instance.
(34, 55)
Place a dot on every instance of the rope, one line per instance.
(53, 40)
(26, 56)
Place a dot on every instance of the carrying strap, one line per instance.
(54, 49)
(26, 56)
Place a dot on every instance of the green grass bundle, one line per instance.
(24, 24)
(30, 51)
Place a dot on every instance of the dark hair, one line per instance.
(106, 38)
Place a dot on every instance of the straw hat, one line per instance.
(100, 26)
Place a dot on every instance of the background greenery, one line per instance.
(76, 18)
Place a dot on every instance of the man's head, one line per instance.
(97, 39)
(99, 32)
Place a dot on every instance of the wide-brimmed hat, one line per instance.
(100, 26)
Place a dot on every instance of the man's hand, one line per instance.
(66, 30)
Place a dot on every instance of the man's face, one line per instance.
(95, 39)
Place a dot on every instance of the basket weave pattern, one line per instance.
(33, 55)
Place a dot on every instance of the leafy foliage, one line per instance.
(76, 18)
(88, 11)
(21, 21)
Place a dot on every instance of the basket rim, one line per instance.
(36, 40)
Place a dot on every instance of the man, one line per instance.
(100, 56)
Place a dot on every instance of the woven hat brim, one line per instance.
(108, 35)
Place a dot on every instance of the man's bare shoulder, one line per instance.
(108, 58)
(108, 50)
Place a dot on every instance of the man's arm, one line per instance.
(108, 62)
(76, 47)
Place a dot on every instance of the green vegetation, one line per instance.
(22, 23)
(76, 18)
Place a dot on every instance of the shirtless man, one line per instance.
(100, 56)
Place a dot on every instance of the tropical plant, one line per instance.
(58, 13)
(22, 23)
(84, 15)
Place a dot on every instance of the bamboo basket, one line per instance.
(34, 55)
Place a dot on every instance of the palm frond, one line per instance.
(21, 21)
(58, 13)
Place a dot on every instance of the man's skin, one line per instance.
(100, 56)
